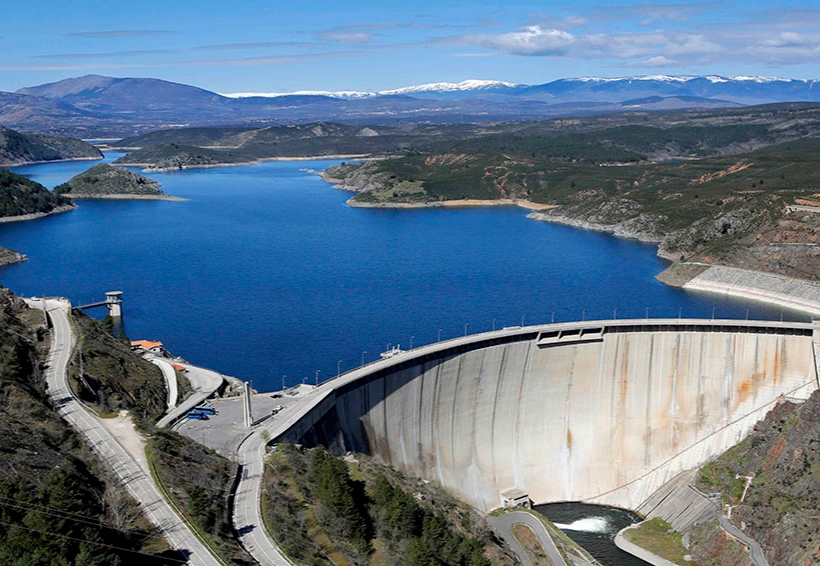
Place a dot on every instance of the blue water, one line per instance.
(265, 272)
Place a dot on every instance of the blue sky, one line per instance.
(282, 46)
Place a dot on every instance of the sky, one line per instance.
(285, 46)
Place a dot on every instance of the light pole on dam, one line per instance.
(600, 411)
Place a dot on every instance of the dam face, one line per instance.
(600, 412)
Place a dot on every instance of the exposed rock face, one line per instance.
(352, 177)
(780, 506)
(17, 148)
(104, 180)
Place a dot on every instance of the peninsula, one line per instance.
(23, 199)
(753, 209)
(172, 157)
(18, 149)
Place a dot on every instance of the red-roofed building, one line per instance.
(147, 345)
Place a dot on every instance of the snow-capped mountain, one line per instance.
(152, 103)
(343, 94)
(463, 86)
(738, 89)
(468, 86)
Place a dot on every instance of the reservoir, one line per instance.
(264, 273)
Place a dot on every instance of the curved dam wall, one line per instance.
(604, 412)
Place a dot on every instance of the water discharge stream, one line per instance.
(589, 525)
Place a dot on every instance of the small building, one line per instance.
(147, 345)
(179, 368)
(515, 497)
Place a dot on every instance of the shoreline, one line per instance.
(462, 203)
(765, 287)
(36, 215)
(10, 257)
(41, 162)
(124, 197)
(148, 168)
(612, 229)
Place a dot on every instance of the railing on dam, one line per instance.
(566, 333)
(576, 334)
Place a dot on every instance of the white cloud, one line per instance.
(657, 61)
(531, 40)
(793, 40)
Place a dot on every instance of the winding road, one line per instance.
(247, 513)
(504, 525)
(170, 376)
(139, 484)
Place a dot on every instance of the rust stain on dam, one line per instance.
(603, 412)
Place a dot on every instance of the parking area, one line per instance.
(225, 430)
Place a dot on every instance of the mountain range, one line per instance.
(99, 106)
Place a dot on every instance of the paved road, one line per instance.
(247, 514)
(757, 553)
(204, 381)
(140, 485)
(504, 525)
(170, 376)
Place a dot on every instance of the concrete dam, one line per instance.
(604, 411)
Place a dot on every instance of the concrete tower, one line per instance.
(113, 302)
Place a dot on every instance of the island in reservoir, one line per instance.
(106, 182)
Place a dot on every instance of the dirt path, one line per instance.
(122, 428)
